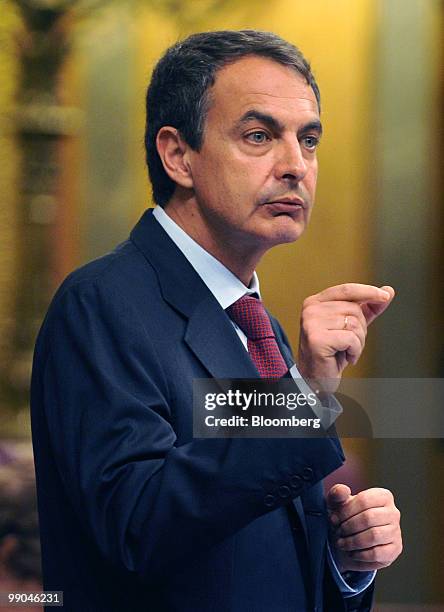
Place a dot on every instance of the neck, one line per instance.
(232, 251)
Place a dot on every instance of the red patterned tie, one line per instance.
(250, 315)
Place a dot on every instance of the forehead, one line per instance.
(257, 82)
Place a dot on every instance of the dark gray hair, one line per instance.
(178, 94)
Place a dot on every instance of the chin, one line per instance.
(289, 231)
(279, 231)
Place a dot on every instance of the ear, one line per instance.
(173, 151)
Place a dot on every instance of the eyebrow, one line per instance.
(275, 124)
(311, 126)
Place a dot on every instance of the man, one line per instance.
(135, 514)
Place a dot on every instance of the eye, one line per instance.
(258, 137)
(310, 142)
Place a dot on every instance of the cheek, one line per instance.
(205, 181)
(311, 179)
(236, 177)
(211, 170)
(225, 178)
(252, 176)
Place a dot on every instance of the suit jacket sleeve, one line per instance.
(147, 502)
(334, 600)
(363, 601)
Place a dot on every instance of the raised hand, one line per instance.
(334, 328)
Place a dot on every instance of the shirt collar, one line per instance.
(222, 283)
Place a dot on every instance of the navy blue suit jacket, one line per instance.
(135, 514)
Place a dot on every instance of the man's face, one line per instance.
(254, 178)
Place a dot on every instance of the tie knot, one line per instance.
(250, 315)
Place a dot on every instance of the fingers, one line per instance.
(348, 323)
(343, 341)
(355, 292)
(317, 319)
(375, 536)
(384, 554)
(334, 328)
(368, 532)
(373, 517)
(334, 309)
(372, 310)
(389, 289)
(365, 500)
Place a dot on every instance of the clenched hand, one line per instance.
(366, 527)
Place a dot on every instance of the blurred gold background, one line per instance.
(73, 182)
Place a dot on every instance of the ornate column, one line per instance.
(40, 123)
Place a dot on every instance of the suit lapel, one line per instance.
(209, 333)
(213, 339)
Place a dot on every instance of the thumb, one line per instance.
(338, 495)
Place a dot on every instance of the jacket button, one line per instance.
(284, 491)
(269, 500)
(296, 482)
(307, 473)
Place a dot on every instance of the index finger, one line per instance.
(353, 292)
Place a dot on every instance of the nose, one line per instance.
(291, 164)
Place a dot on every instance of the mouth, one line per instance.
(289, 206)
